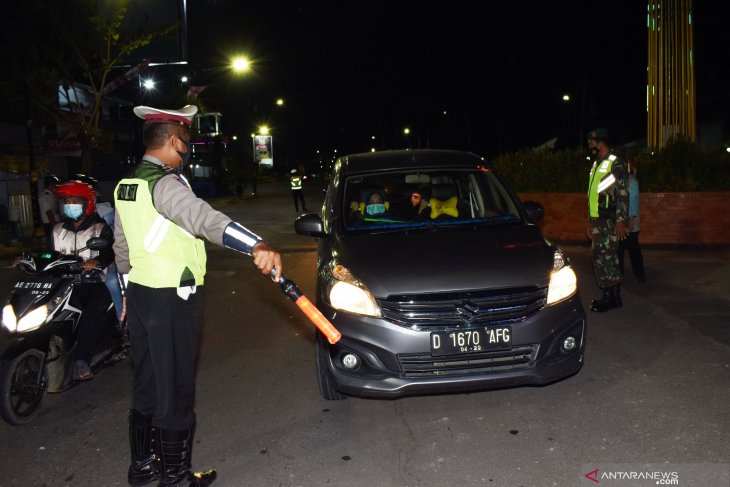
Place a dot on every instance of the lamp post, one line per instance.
(564, 109)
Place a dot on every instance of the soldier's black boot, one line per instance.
(143, 468)
(176, 450)
(605, 297)
(617, 296)
(611, 299)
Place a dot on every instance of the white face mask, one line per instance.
(73, 210)
(375, 209)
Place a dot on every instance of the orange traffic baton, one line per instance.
(310, 310)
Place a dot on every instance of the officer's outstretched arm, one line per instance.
(240, 238)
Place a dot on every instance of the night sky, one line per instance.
(352, 70)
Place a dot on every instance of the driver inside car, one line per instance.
(80, 223)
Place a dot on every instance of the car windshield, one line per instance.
(426, 198)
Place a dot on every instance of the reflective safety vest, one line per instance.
(161, 253)
(296, 182)
(600, 200)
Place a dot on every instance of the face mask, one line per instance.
(73, 211)
(184, 156)
(375, 209)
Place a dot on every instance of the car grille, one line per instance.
(464, 310)
(424, 365)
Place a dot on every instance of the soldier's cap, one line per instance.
(598, 133)
(183, 116)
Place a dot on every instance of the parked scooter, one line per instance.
(42, 319)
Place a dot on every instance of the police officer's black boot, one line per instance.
(176, 449)
(143, 468)
(611, 299)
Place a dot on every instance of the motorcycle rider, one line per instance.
(81, 222)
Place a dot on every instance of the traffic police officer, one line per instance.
(608, 201)
(161, 255)
(297, 191)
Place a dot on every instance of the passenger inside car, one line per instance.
(419, 207)
(373, 208)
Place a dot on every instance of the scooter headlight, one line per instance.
(29, 322)
(10, 321)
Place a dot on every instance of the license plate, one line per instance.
(36, 286)
(470, 341)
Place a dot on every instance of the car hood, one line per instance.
(447, 259)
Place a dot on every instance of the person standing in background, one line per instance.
(632, 240)
(48, 204)
(296, 190)
(608, 201)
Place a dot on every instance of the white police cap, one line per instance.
(183, 116)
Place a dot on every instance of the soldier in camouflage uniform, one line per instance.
(608, 202)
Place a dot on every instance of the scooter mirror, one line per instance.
(97, 243)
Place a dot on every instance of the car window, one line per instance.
(425, 198)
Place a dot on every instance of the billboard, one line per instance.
(263, 151)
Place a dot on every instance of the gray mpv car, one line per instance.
(438, 279)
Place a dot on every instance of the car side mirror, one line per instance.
(535, 211)
(309, 224)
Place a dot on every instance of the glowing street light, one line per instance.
(263, 130)
(280, 102)
(566, 97)
(241, 64)
(149, 84)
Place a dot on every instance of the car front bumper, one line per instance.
(396, 361)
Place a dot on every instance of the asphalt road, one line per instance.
(654, 393)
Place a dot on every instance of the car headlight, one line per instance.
(346, 293)
(563, 281)
(29, 322)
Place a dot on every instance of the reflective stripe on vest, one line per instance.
(161, 253)
(600, 180)
(296, 182)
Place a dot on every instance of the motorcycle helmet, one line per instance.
(78, 189)
(92, 181)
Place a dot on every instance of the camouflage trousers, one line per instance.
(605, 256)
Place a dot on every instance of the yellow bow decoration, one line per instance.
(446, 207)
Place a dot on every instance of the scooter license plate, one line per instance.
(35, 286)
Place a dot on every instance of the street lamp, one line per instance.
(241, 64)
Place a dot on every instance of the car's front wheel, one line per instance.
(326, 387)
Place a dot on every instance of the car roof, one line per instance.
(405, 159)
